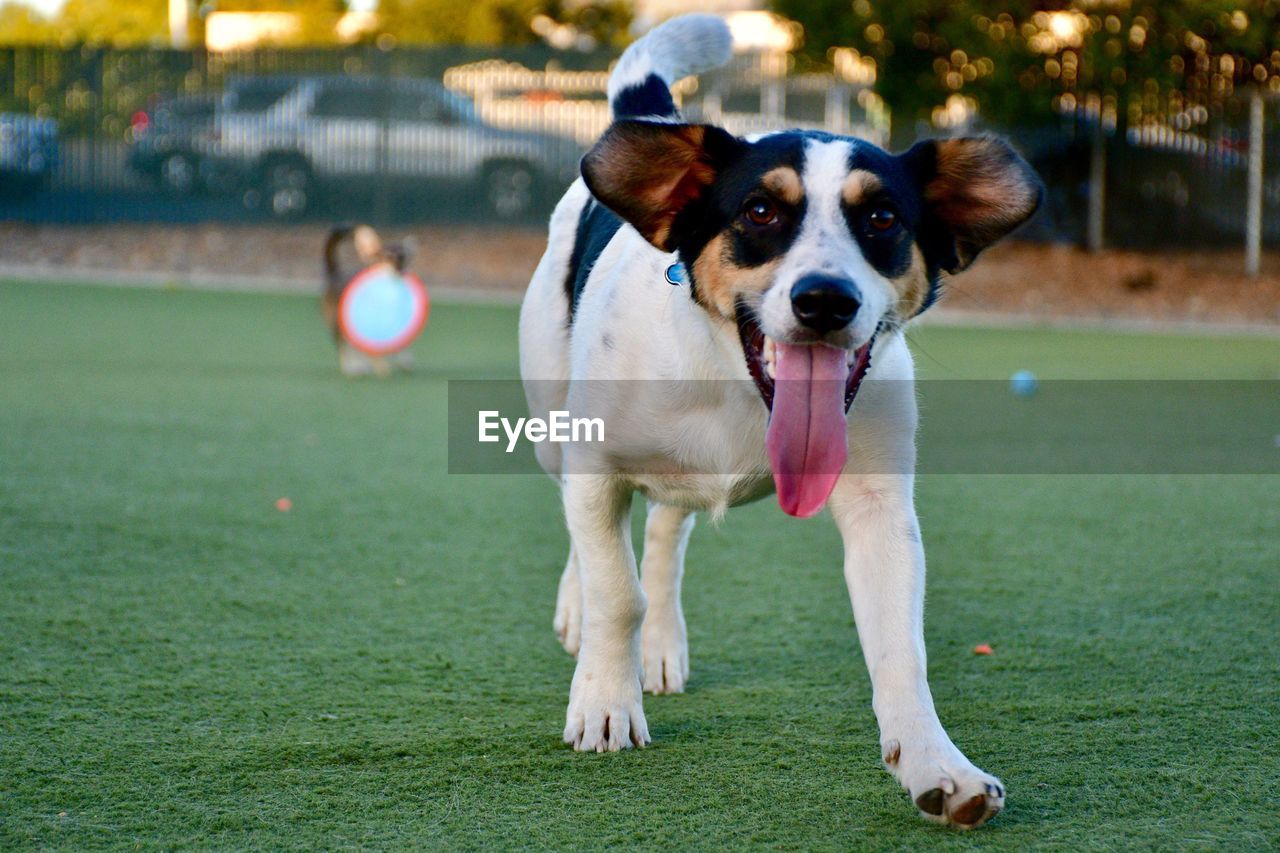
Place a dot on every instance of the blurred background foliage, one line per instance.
(135, 23)
(937, 61)
(1017, 61)
(499, 22)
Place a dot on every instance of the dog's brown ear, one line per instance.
(975, 190)
(648, 172)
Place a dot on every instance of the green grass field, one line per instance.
(182, 665)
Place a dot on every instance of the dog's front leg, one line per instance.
(884, 568)
(605, 704)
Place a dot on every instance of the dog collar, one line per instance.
(676, 274)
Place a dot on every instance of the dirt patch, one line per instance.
(279, 257)
(1048, 281)
(1026, 280)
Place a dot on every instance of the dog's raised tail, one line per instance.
(640, 85)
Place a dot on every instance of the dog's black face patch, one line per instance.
(723, 208)
(746, 220)
(881, 206)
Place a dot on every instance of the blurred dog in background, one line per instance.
(349, 250)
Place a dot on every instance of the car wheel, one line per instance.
(510, 189)
(178, 173)
(287, 188)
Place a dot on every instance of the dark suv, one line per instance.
(170, 141)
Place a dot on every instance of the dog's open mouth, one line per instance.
(761, 353)
(808, 389)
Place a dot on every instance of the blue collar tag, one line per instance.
(676, 274)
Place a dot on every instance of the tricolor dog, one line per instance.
(799, 258)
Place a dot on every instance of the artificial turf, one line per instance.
(183, 665)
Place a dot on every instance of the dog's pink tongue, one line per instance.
(807, 439)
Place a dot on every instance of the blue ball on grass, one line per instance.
(1024, 383)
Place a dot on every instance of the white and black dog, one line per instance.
(803, 255)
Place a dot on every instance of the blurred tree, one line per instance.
(500, 22)
(128, 23)
(20, 24)
(317, 19)
(1124, 57)
(119, 23)
(331, 8)
(477, 22)
(580, 23)
(597, 23)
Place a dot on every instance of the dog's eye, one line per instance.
(883, 218)
(761, 211)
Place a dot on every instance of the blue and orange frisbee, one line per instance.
(382, 311)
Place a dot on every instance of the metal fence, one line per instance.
(448, 134)
(1177, 182)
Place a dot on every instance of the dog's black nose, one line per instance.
(825, 304)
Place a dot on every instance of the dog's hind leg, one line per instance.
(664, 643)
(568, 621)
(606, 705)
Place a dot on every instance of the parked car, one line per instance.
(288, 137)
(28, 151)
(170, 142)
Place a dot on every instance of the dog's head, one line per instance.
(811, 243)
(371, 249)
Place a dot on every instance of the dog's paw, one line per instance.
(944, 785)
(568, 621)
(605, 714)
(664, 652)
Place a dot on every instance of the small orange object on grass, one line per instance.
(284, 504)
(982, 649)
